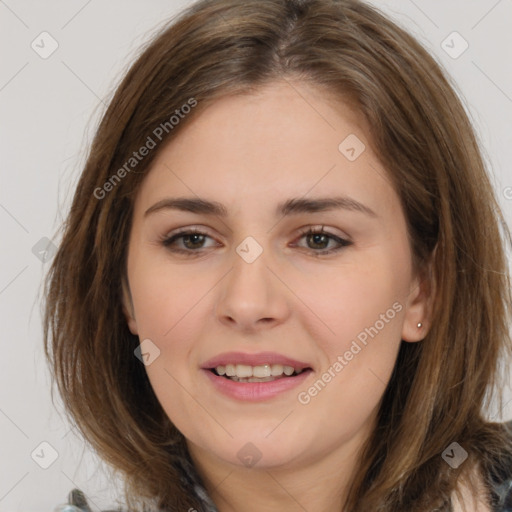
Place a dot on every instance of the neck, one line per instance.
(317, 483)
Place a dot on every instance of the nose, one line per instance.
(252, 296)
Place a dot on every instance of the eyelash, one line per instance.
(168, 241)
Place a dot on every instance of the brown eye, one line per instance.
(318, 240)
(191, 241)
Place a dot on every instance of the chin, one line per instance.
(259, 452)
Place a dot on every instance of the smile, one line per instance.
(254, 377)
(260, 373)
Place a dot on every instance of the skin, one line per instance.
(251, 152)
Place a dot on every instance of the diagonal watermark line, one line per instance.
(280, 423)
(288, 82)
(409, 18)
(77, 487)
(286, 491)
(210, 492)
(486, 14)
(69, 431)
(15, 424)
(84, 83)
(14, 485)
(3, 3)
(197, 301)
(12, 280)
(300, 299)
(424, 14)
(75, 15)
(13, 217)
(312, 187)
(199, 403)
(492, 81)
(14, 76)
(377, 376)
(185, 185)
(383, 175)
(501, 411)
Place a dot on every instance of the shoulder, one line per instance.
(499, 477)
(494, 488)
(77, 502)
(468, 503)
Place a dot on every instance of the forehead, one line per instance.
(254, 149)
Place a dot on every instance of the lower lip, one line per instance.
(255, 391)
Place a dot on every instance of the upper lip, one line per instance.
(253, 360)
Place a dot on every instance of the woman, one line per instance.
(282, 282)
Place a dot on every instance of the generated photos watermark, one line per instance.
(304, 397)
(152, 141)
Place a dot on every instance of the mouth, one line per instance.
(260, 373)
(255, 377)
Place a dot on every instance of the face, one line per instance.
(246, 290)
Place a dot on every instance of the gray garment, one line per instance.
(499, 480)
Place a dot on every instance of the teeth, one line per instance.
(253, 379)
(260, 371)
(265, 371)
(277, 369)
(288, 370)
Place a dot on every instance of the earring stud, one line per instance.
(420, 325)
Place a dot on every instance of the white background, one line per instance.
(49, 109)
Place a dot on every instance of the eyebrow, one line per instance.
(292, 206)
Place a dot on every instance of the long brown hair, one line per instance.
(441, 387)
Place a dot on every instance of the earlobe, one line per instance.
(418, 310)
(130, 320)
(127, 305)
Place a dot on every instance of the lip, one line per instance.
(253, 360)
(254, 391)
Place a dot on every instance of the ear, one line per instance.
(419, 305)
(127, 304)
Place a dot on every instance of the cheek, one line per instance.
(170, 311)
(364, 307)
(345, 301)
(172, 306)
(362, 310)
(164, 297)
(360, 355)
